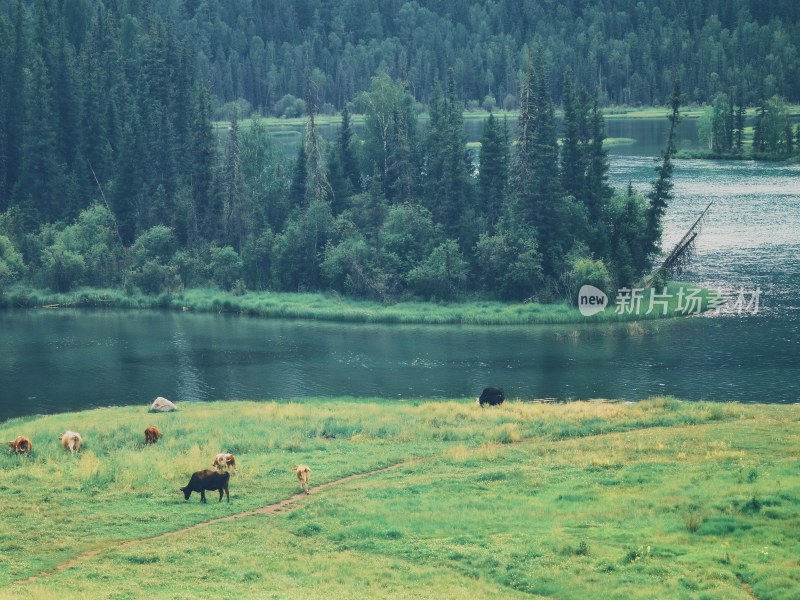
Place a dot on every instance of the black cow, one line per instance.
(207, 480)
(491, 396)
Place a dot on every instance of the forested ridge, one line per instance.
(623, 51)
(111, 173)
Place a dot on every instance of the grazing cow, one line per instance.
(207, 480)
(303, 476)
(21, 445)
(151, 435)
(71, 441)
(223, 460)
(491, 396)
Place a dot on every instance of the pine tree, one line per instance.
(297, 188)
(14, 115)
(343, 174)
(738, 137)
(201, 166)
(573, 156)
(598, 192)
(661, 192)
(539, 201)
(759, 139)
(42, 180)
(401, 180)
(730, 124)
(127, 189)
(493, 173)
(448, 169)
(233, 213)
(346, 153)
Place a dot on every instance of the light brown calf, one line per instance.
(223, 460)
(71, 441)
(21, 445)
(303, 476)
(151, 435)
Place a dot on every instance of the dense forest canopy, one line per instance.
(623, 51)
(111, 173)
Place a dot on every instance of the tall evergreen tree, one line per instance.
(661, 192)
(233, 211)
(346, 152)
(448, 183)
(343, 174)
(203, 146)
(297, 188)
(401, 169)
(738, 136)
(573, 155)
(539, 193)
(127, 190)
(759, 139)
(42, 179)
(14, 115)
(598, 192)
(493, 171)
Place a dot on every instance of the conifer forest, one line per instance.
(135, 150)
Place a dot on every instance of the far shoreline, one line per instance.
(321, 306)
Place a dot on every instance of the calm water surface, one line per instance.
(54, 361)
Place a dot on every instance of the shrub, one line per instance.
(11, 264)
(239, 109)
(226, 267)
(289, 106)
(442, 275)
(587, 271)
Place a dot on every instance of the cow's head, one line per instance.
(187, 491)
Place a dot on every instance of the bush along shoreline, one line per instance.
(667, 302)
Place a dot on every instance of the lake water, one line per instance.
(58, 360)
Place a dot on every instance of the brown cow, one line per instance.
(71, 441)
(303, 476)
(21, 445)
(151, 435)
(223, 460)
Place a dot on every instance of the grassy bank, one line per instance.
(332, 307)
(610, 112)
(748, 154)
(654, 499)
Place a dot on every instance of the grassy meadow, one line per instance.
(334, 307)
(654, 499)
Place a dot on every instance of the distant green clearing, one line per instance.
(608, 142)
(582, 500)
(612, 112)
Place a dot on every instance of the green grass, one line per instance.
(607, 142)
(651, 112)
(654, 499)
(609, 112)
(333, 307)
